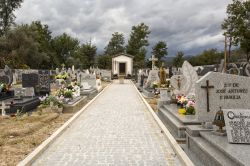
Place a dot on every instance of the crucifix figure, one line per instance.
(207, 87)
(3, 108)
(153, 59)
(179, 82)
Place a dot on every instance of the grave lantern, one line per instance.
(219, 120)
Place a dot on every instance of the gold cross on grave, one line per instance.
(153, 59)
(3, 108)
(207, 87)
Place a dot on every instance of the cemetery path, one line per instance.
(116, 129)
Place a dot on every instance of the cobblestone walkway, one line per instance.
(116, 130)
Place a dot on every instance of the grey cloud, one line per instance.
(186, 25)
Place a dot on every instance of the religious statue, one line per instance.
(179, 82)
(163, 76)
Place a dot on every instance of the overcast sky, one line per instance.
(186, 25)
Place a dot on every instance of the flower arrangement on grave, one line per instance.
(50, 103)
(190, 109)
(181, 101)
(69, 92)
(64, 76)
(187, 105)
(47, 100)
(4, 87)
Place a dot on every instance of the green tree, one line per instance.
(104, 61)
(19, 49)
(86, 53)
(207, 57)
(160, 50)
(65, 47)
(115, 45)
(137, 44)
(7, 14)
(179, 59)
(44, 38)
(237, 25)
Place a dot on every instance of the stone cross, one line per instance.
(207, 87)
(3, 108)
(153, 59)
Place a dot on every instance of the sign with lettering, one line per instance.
(237, 125)
(215, 90)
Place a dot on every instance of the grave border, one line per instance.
(176, 147)
(45, 144)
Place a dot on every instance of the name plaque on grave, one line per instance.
(215, 90)
(237, 125)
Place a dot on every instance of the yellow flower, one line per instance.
(182, 111)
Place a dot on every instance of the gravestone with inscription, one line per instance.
(30, 80)
(44, 81)
(237, 125)
(215, 90)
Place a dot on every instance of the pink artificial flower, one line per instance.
(191, 103)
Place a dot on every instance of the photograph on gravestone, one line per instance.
(237, 125)
(215, 90)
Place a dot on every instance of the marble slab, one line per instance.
(237, 125)
(226, 91)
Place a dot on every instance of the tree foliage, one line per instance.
(237, 25)
(207, 57)
(179, 59)
(65, 47)
(160, 50)
(115, 45)
(86, 54)
(19, 49)
(137, 44)
(7, 14)
(104, 61)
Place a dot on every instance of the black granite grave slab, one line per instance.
(24, 105)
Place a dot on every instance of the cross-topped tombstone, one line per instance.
(153, 59)
(3, 108)
(225, 90)
(207, 87)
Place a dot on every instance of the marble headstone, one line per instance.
(178, 82)
(237, 125)
(152, 77)
(191, 76)
(224, 90)
(164, 96)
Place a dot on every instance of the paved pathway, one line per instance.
(117, 129)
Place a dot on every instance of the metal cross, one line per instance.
(153, 59)
(207, 87)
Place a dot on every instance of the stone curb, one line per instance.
(180, 153)
(44, 145)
